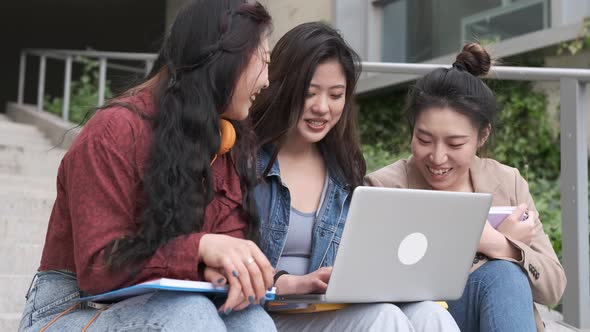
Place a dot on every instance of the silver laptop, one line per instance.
(401, 245)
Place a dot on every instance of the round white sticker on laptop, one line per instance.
(412, 248)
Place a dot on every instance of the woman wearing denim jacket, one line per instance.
(310, 161)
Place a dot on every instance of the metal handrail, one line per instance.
(94, 54)
(71, 56)
(496, 72)
(574, 154)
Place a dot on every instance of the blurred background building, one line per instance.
(380, 30)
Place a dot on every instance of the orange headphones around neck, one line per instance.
(227, 134)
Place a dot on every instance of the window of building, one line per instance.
(419, 30)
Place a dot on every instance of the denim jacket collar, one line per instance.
(274, 203)
(266, 153)
(263, 159)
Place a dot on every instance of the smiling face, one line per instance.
(324, 103)
(444, 143)
(252, 79)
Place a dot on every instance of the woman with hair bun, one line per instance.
(451, 114)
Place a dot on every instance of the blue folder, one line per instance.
(165, 284)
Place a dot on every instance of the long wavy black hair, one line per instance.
(277, 109)
(209, 45)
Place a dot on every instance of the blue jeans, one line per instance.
(55, 291)
(497, 297)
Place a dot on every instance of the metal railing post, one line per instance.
(67, 87)
(41, 83)
(102, 79)
(574, 203)
(149, 64)
(21, 78)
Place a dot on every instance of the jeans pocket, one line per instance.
(53, 293)
(26, 319)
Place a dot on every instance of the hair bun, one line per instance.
(475, 59)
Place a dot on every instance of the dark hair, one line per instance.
(277, 109)
(459, 87)
(209, 45)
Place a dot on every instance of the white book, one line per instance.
(498, 214)
(165, 284)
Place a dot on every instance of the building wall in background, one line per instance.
(416, 31)
(286, 14)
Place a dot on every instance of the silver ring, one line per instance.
(250, 260)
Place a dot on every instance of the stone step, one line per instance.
(4, 118)
(9, 126)
(27, 147)
(15, 160)
(24, 148)
(24, 231)
(7, 138)
(33, 182)
(21, 154)
(29, 204)
(20, 258)
(18, 168)
(557, 327)
(10, 322)
(13, 291)
(21, 185)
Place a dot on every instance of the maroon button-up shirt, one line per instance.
(99, 198)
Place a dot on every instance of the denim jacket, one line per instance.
(274, 203)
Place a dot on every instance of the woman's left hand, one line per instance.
(518, 229)
(218, 278)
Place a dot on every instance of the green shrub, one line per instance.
(384, 130)
(83, 94)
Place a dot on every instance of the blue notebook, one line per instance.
(165, 284)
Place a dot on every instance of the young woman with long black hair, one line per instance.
(310, 161)
(146, 190)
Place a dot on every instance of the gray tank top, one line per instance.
(297, 251)
(296, 254)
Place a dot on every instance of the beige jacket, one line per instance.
(508, 188)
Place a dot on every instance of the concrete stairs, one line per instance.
(28, 168)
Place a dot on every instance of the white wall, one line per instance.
(564, 12)
(351, 17)
(287, 14)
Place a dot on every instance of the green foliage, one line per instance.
(524, 136)
(83, 94)
(546, 194)
(581, 42)
(384, 131)
(523, 139)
